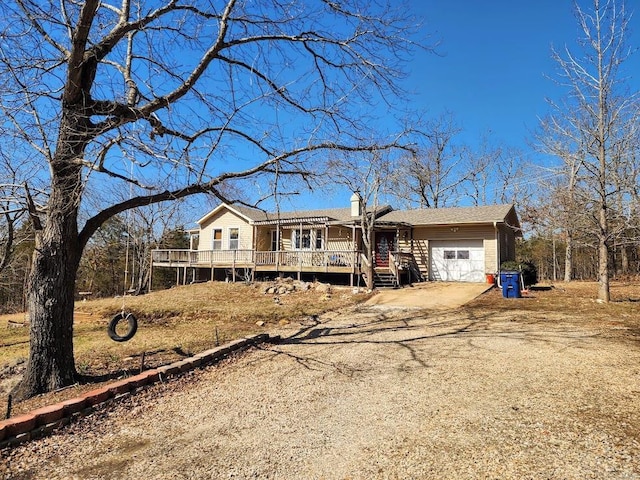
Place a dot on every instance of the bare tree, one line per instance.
(12, 204)
(494, 174)
(565, 207)
(368, 177)
(597, 119)
(194, 94)
(431, 177)
(444, 171)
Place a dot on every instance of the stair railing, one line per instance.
(393, 267)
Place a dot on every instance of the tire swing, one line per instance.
(124, 325)
(116, 331)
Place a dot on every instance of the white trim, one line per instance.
(228, 237)
(300, 231)
(456, 268)
(213, 238)
(314, 239)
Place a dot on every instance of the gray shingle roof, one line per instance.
(423, 216)
(445, 216)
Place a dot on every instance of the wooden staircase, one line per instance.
(384, 279)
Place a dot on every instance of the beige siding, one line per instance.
(339, 238)
(263, 240)
(225, 220)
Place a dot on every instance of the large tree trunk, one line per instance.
(51, 300)
(52, 279)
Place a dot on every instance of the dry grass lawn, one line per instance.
(171, 324)
(574, 302)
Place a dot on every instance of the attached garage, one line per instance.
(457, 244)
(457, 260)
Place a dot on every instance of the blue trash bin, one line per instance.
(510, 282)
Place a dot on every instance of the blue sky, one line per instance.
(492, 61)
(491, 70)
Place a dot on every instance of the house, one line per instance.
(450, 244)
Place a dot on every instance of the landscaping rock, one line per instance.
(322, 287)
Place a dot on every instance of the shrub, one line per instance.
(528, 270)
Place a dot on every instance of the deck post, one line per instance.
(150, 274)
(177, 276)
(233, 267)
(354, 255)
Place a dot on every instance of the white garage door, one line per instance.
(457, 260)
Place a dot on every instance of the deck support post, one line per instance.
(150, 274)
(233, 267)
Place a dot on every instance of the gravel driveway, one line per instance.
(377, 393)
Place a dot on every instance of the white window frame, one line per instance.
(213, 238)
(297, 237)
(237, 240)
(318, 235)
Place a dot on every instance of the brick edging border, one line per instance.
(44, 420)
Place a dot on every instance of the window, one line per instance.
(217, 239)
(274, 241)
(449, 254)
(319, 245)
(302, 239)
(463, 254)
(234, 235)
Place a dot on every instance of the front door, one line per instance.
(385, 244)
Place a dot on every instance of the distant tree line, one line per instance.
(115, 262)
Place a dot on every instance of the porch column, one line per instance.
(278, 242)
(355, 260)
(300, 251)
(254, 245)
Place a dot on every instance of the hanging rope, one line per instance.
(117, 321)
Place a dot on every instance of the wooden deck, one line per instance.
(327, 261)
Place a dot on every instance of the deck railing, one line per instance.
(172, 256)
(301, 258)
